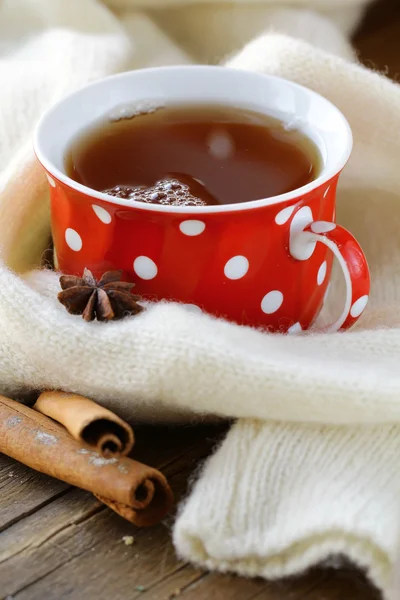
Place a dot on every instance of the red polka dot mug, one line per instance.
(266, 262)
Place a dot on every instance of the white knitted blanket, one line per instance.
(311, 467)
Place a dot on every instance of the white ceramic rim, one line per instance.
(327, 173)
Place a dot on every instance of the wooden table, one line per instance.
(59, 543)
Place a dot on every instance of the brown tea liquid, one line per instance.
(193, 155)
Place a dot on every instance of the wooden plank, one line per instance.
(60, 550)
(173, 585)
(344, 583)
(29, 549)
(318, 584)
(70, 541)
(231, 587)
(33, 531)
(223, 587)
(92, 560)
(66, 558)
(23, 491)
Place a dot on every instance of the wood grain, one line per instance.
(64, 545)
(72, 546)
(59, 543)
(23, 491)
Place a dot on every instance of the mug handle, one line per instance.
(304, 235)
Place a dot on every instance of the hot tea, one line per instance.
(193, 156)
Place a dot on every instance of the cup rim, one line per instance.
(326, 175)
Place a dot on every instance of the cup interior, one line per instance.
(297, 106)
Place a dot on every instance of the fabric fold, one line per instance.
(281, 377)
(276, 499)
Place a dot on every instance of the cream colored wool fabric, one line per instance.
(278, 496)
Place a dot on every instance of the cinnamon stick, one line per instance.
(88, 422)
(137, 492)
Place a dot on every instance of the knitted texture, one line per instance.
(276, 498)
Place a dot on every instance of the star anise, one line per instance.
(104, 300)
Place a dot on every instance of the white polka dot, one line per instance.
(236, 267)
(102, 213)
(192, 227)
(301, 247)
(144, 267)
(284, 215)
(359, 306)
(296, 328)
(322, 226)
(51, 181)
(271, 302)
(73, 239)
(327, 191)
(321, 273)
(193, 308)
